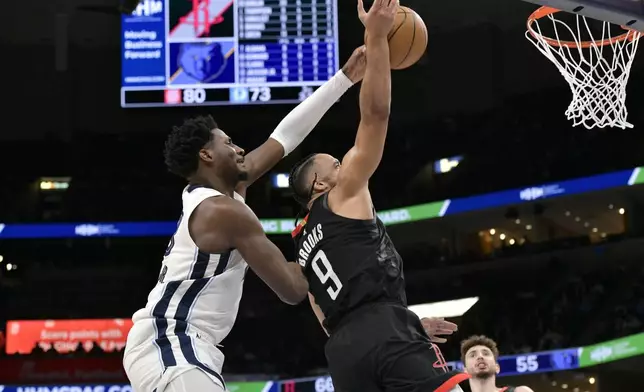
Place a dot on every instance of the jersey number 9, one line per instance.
(335, 285)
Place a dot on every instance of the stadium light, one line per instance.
(54, 183)
(280, 180)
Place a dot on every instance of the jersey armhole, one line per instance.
(190, 216)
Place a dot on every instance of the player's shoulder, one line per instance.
(224, 212)
(218, 222)
(523, 388)
(221, 207)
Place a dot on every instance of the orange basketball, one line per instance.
(407, 39)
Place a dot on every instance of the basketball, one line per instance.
(407, 39)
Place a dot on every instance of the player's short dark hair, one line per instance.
(298, 180)
(184, 142)
(478, 340)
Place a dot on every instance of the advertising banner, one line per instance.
(612, 350)
(257, 386)
(66, 336)
(57, 370)
(402, 215)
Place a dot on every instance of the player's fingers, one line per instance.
(448, 325)
(431, 321)
(444, 332)
(361, 10)
(436, 339)
(440, 323)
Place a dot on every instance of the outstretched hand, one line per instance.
(356, 66)
(380, 18)
(436, 327)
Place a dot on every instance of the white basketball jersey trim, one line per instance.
(197, 296)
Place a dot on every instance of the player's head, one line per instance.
(479, 355)
(198, 148)
(312, 176)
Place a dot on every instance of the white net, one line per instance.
(595, 64)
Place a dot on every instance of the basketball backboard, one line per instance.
(620, 12)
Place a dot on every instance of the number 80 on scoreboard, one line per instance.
(187, 95)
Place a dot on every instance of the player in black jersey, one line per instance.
(356, 282)
(480, 357)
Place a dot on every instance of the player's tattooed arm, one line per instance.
(222, 223)
(318, 312)
(294, 128)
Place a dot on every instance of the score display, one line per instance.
(222, 52)
(548, 361)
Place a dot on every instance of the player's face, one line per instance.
(480, 362)
(325, 171)
(227, 158)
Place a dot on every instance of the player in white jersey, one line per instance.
(173, 344)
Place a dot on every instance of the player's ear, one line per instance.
(205, 155)
(320, 186)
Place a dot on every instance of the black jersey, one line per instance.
(348, 262)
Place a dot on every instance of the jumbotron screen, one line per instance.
(222, 52)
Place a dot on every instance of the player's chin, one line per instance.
(242, 174)
(484, 374)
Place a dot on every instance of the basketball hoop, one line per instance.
(596, 70)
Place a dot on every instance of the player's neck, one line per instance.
(313, 199)
(215, 183)
(483, 384)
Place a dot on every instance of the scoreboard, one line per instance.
(547, 361)
(223, 52)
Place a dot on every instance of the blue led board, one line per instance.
(549, 361)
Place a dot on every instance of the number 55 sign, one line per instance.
(527, 363)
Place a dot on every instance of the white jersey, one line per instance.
(197, 296)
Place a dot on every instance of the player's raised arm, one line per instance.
(361, 161)
(292, 130)
(229, 224)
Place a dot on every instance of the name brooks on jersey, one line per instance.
(306, 246)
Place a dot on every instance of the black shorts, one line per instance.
(384, 347)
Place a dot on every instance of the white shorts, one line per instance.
(191, 381)
(152, 365)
